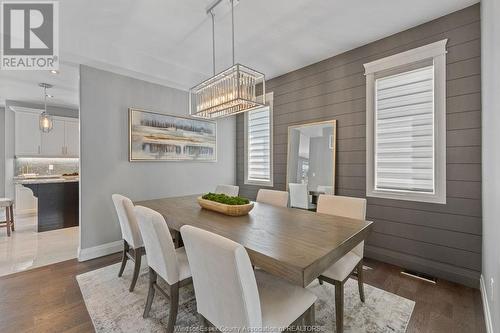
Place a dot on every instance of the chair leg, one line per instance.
(203, 321)
(12, 217)
(124, 258)
(7, 220)
(151, 292)
(174, 305)
(339, 306)
(137, 267)
(361, 288)
(310, 317)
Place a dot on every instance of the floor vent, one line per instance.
(420, 276)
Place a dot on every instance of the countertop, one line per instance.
(25, 181)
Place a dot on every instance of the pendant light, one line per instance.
(234, 90)
(45, 121)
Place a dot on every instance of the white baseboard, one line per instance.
(100, 250)
(486, 307)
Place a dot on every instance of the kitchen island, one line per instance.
(57, 201)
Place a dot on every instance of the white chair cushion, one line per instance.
(281, 302)
(128, 222)
(231, 190)
(182, 262)
(273, 197)
(6, 202)
(341, 269)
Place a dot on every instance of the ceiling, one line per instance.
(169, 42)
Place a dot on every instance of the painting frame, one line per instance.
(131, 153)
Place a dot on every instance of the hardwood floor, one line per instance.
(48, 299)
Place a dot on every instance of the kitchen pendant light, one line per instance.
(45, 121)
(234, 90)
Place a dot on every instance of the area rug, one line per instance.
(114, 309)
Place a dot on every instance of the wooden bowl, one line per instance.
(231, 210)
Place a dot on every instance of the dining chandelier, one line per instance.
(234, 90)
(45, 121)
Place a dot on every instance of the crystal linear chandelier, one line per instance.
(234, 90)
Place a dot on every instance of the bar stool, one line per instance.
(8, 204)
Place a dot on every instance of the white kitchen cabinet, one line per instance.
(27, 134)
(62, 141)
(26, 202)
(53, 141)
(72, 138)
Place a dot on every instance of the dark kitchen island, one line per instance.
(57, 202)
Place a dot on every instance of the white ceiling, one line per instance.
(169, 41)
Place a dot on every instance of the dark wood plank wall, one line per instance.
(442, 240)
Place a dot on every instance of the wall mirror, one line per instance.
(311, 162)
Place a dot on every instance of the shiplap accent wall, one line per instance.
(442, 240)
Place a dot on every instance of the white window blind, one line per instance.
(404, 131)
(258, 149)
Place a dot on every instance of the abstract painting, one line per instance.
(162, 137)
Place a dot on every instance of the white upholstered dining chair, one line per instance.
(164, 260)
(338, 273)
(273, 197)
(299, 196)
(231, 190)
(133, 247)
(229, 294)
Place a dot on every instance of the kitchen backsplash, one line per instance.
(40, 165)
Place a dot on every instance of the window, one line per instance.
(258, 145)
(406, 125)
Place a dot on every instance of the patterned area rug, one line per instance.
(114, 309)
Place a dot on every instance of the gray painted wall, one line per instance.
(2, 151)
(490, 27)
(9, 152)
(442, 240)
(105, 169)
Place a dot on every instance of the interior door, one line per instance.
(72, 138)
(53, 142)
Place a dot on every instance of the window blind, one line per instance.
(404, 131)
(259, 145)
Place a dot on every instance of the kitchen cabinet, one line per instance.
(27, 134)
(61, 141)
(53, 142)
(72, 138)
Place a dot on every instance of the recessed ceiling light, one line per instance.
(54, 71)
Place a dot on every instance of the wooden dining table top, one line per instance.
(294, 244)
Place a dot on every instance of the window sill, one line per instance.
(257, 183)
(405, 196)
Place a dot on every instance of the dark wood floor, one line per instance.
(48, 299)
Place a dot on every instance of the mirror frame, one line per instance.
(333, 122)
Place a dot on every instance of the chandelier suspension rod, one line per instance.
(45, 97)
(213, 38)
(232, 25)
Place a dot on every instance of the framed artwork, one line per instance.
(162, 137)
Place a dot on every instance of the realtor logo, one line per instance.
(30, 35)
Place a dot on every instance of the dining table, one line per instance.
(294, 244)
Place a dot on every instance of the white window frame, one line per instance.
(437, 53)
(270, 183)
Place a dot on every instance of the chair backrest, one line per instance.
(128, 222)
(325, 189)
(298, 195)
(354, 208)
(272, 197)
(160, 249)
(224, 281)
(231, 190)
